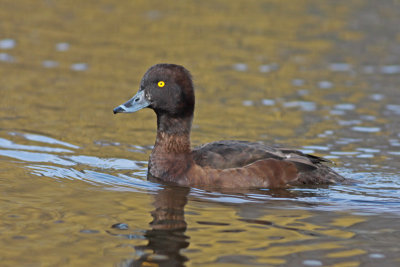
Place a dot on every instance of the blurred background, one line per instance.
(319, 76)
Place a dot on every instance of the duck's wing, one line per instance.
(223, 155)
(232, 154)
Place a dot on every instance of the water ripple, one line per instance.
(105, 163)
(43, 139)
(35, 157)
(7, 44)
(4, 143)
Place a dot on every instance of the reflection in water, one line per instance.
(167, 235)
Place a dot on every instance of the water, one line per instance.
(322, 77)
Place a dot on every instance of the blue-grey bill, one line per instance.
(136, 103)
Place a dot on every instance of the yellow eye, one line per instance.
(161, 84)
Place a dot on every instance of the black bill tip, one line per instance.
(118, 110)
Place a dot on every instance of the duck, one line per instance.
(168, 90)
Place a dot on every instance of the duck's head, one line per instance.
(165, 88)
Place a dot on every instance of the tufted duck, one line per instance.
(168, 90)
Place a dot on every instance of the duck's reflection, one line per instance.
(167, 235)
(167, 238)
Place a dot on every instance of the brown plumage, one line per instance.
(221, 164)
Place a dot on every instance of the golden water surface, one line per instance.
(321, 76)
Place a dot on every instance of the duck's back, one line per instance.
(236, 154)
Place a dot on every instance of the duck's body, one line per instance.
(168, 90)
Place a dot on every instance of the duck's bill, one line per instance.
(136, 103)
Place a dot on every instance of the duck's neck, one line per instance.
(171, 155)
(173, 134)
